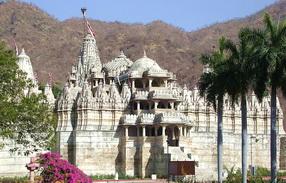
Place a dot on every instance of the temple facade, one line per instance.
(133, 118)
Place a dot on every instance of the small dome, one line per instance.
(144, 64)
(118, 63)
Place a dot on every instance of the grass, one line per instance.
(112, 176)
(14, 179)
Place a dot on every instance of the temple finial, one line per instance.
(144, 54)
(23, 52)
(83, 11)
(122, 55)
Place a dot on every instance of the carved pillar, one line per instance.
(138, 106)
(155, 105)
(186, 131)
(126, 131)
(144, 131)
(163, 131)
(172, 105)
(181, 130)
(150, 105)
(173, 133)
(143, 84)
(150, 83)
(133, 85)
(166, 83)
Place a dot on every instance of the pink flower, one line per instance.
(57, 169)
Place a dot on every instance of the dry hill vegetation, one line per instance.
(54, 45)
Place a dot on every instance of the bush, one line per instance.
(57, 169)
(233, 175)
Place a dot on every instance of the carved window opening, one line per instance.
(159, 131)
(162, 105)
(158, 83)
(169, 105)
(152, 105)
(132, 131)
(173, 134)
(138, 83)
(135, 106)
(150, 131)
(144, 105)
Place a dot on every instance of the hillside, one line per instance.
(54, 45)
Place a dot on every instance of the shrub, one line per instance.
(56, 169)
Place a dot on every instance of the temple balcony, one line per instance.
(173, 117)
(141, 95)
(162, 94)
(147, 118)
(129, 119)
(152, 119)
(97, 75)
(157, 73)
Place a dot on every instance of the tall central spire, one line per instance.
(89, 55)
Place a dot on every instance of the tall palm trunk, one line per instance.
(219, 137)
(244, 138)
(273, 136)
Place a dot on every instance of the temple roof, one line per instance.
(145, 64)
(118, 63)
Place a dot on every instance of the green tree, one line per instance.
(57, 89)
(271, 72)
(240, 68)
(27, 120)
(212, 85)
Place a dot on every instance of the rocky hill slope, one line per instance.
(54, 45)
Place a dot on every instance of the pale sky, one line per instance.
(187, 14)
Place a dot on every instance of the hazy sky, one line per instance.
(187, 14)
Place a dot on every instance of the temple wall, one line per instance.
(204, 150)
(145, 156)
(107, 150)
(12, 164)
(97, 152)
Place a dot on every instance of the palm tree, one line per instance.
(240, 68)
(212, 86)
(270, 72)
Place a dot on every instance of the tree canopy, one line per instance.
(27, 120)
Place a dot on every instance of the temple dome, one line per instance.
(145, 64)
(118, 64)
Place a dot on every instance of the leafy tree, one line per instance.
(213, 85)
(27, 120)
(271, 72)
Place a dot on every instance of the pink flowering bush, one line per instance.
(56, 169)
